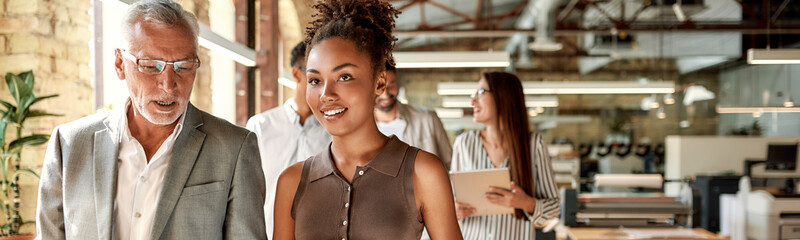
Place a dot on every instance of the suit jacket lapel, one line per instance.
(105, 175)
(184, 154)
(410, 132)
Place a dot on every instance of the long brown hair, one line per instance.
(513, 121)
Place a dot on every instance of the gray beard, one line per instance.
(390, 107)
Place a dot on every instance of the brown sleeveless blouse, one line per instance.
(378, 204)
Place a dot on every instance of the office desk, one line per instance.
(617, 233)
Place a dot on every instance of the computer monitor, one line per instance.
(782, 157)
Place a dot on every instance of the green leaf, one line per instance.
(27, 78)
(12, 115)
(25, 104)
(8, 105)
(22, 94)
(29, 171)
(3, 126)
(35, 100)
(27, 222)
(33, 114)
(23, 116)
(11, 81)
(32, 140)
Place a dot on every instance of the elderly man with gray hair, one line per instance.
(158, 168)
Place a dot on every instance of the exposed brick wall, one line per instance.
(52, 39)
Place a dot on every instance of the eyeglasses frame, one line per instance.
(478, 94)
(136, 60)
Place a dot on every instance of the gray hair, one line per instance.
(162, 11)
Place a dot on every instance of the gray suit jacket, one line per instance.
(213, 187)
(424, 130)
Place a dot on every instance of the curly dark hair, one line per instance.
(366, 23)
(298, 52)
(390, 67)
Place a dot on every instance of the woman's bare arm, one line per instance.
(283, 223)
(435, 197)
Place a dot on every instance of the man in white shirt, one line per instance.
(158, 168)
(287, 134)
(417, 126)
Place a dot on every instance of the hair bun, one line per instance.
(368, 23)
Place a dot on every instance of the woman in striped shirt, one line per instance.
(499, 104)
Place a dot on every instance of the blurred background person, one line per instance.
(417, 126)
(287, 134)
(506, 142)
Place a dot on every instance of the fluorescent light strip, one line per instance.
(531, 102)
(213, 41)
(598, 90)
(287, 82)
(475, 59)
(449, 113)
(233, 50)
(451, 64)
(585, 87)
(773, 56)
(788, 61)
(563, 119)
(728, 110)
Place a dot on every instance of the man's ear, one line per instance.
(119, 66)
(298, 74)
(380, 83)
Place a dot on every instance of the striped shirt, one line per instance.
(469, 154)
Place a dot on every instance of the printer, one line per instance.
(773, 216)
(626, 209)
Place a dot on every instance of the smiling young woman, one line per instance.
(364, 185)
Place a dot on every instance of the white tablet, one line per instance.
(471, 186)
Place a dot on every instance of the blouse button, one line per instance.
(344, 223)
(361, 172)
(347, 205)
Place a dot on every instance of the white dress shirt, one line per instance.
(421, 128)
(282, 141)
(139, 183)
(395, 127)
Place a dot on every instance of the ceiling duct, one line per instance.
(658, 11)
(545, 25)
(692, 50)
(539, 14)
(519, 41)
(678, 9)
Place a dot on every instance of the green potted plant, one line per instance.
(15, 115)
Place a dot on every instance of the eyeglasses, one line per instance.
(302, 68)
(153, 67)
(479, 93)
